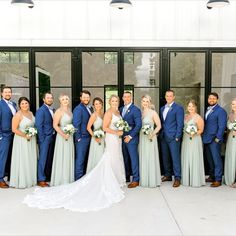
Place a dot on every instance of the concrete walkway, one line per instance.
(160, 211)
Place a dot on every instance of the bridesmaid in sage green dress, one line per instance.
(96, 145)
(230, 153)
(149, 165)
(192, 165)
(63, 159)
(24, 152)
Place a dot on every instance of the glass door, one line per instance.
(100, 74)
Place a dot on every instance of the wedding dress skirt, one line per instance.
(99, 189)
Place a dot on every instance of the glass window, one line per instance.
(187, 77)
(12, 72)
(53, 73)
(57, 65)
(98, 77)
(224, 70)
(143, 74)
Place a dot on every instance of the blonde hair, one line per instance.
(151, 106)
(63, 95)
(114, 96)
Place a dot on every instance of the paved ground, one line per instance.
(160, 211)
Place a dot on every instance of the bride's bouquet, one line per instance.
(30, 131)
(147, 130)
(122, 125)
(191, 129)
(232, 126)
(98, 133)
(69, 129)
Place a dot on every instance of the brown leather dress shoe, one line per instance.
(133, 185)
(43, 184)
(210, 179)
(216, 184)
(176, 183)
(4, 185)
(166, 178)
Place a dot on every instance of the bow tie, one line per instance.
(209, 108)
(9, 102)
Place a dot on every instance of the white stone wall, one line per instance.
(148, 23)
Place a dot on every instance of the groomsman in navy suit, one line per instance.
(7, 110)
(215, 125)
(46, 139)
(172, 119)
(81, 115)
(132, 115)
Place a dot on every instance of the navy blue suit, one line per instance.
(172, 129)
(130, 150)
(215, 125)
(82, 139)
(46, 141)
(6, 135)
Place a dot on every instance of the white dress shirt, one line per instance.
(166, 109)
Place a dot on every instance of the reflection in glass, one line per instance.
(144, 72)
(183, 95)
(12, 72)
(226, 95)
(96, 72)
(187, 69)
(224, 69)
(58, 64)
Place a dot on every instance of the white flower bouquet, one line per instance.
(122, 125)
(69, 129)
(191, 129)
(232, 126)
(30, 131)
(98, 133)
(147, 130)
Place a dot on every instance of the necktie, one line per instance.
(124, 111)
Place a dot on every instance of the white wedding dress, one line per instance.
(99, 189)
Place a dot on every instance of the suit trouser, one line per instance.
(82, 149)
(213, 156)
(131, 157)
(45, 149)
(171, 157)
(5, 144)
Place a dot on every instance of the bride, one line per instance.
(101, 187)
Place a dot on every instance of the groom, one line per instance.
(81, 115)
(132, 115)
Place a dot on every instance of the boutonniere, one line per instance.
(128, 111)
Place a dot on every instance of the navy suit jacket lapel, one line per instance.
(47, 110)
(212, 111)
(5, 104)
(85, 108)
